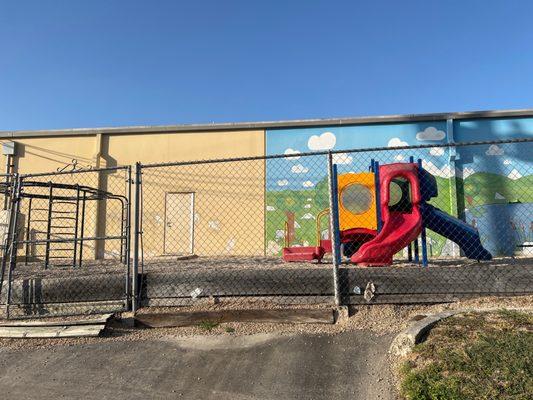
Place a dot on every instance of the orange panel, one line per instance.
(357, 201)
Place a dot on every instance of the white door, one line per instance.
(179, 223)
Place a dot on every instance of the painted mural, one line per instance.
(472, 181)
(498, 184)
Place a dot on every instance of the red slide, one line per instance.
(399, 228)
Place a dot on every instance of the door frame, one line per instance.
(191, 228)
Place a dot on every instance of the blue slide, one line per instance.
(456, 230)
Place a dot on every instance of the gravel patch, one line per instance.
(378, 319)
(192, 263)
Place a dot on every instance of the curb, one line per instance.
(404, 342)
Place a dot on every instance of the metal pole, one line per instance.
(8, 241)
(28, 224)
(378, 194)
(122, 241)
(15, 207)
(410, 245)
(334, 226)
(423, 234)
(82, 227)
(415, 242)
(424, 248)
(128, 240)
(48, 228)
(135, 290)
(76, 226)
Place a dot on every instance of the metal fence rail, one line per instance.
(384, 225)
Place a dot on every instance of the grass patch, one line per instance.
(229, 329)
(473, 356)
(208, 325)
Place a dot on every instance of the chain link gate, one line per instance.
(69, 243)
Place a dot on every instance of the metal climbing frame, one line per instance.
(63, 196)
(69, 242)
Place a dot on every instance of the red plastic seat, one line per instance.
(303, 253)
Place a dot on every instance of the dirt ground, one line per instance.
(193, 263)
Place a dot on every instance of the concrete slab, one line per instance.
(267, 366)
(92, 320)
(27, 332)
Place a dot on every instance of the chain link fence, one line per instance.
(421, 223)
(385, 225)
(211, 231)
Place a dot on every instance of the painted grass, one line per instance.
(473, 356)
(479, 189)
(306, 204)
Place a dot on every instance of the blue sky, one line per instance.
(73, 63)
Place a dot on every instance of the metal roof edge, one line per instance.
(317, 122)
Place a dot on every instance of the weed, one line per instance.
(208, 325)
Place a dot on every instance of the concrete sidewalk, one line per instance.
(351, 365)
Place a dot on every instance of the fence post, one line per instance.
(377, 184)
(334, 225)
(415, 242)
(12, 237)
(48, 226)
(127, 232)
(136, 242)
(7, 238)
(423, 238)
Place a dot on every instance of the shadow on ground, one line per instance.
(264, 366)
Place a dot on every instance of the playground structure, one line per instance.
(53, 229)
(378, 213)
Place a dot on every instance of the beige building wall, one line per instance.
(168, 147)
(228, 209)
(44, 154)
(228, 197)
(48, 154)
